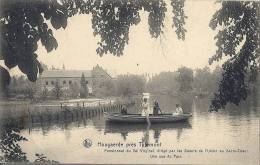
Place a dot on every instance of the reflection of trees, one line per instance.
(186, 102)
(156, 135)
(185, 79)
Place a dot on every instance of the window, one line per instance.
(64, 82)
(52, 83)
(70, 82)
(46, 83)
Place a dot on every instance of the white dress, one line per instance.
(145, 109)
(179, 111)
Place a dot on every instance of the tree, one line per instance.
(201, 80)
(206, 82)
(185, 79)
(31, 89)
(127, 85)
(83, 87)
(164, 83)
(106, 87)
(57, 91)
(238, 38)
(4, 82)
(74, 90)
(11, 151)
(44, 66)
(44, 93)
(216, 77)
(20, 86)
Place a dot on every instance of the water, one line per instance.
(235, 128)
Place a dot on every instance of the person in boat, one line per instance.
(145, 110)
(156, 108)
(178, 110)
(124, 110)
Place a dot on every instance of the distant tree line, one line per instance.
(21, 87)
(123, 85)
(185, 80)
(130, 85)
(200, 82)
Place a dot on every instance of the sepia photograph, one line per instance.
(130, 82)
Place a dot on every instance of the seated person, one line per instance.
(123, 110)
(156, 108)
(178, 110)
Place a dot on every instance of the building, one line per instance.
(66, 78)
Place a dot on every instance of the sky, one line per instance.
(143, 54)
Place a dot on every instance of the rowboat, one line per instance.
(138, 118)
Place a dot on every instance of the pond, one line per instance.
(234, 131)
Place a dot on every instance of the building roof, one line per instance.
(65, 73)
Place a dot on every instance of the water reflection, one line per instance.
(10, 139)
(145, 139)
(156, 135)
(125, 129)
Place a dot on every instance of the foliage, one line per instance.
(74, 90)
(201, 79)
(44, 66)
(44, 93)
(237, 38)
(4, 82)
(205, 81)
(164, 83)
(57, 91)
(31, 89)
(83, 87)
(111, 20)
(11, 150)
(179, 18)
(22, 25)
(185, 79)
(22, 86)
(44, 160)
(106, 87)
(127, 85)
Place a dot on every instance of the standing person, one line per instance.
(156, 108)
(145, 110)
(178, 110)
(124, 110)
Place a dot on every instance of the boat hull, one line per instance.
(137, 118)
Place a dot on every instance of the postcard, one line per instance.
(129, 82)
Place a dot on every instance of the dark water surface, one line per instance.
(232, 129)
